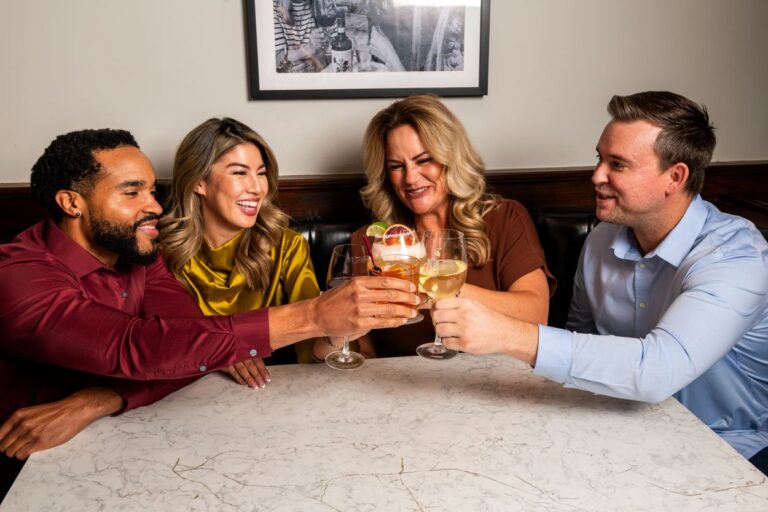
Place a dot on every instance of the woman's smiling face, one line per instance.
(418, 180)
(232, 194)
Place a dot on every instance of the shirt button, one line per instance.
(253, 352)
(642, 304)
(642, 265)
(203, 368)
(124, 294)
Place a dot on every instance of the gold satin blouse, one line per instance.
(221, 290)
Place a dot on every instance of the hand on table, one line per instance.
(36, 428)
(251, 372)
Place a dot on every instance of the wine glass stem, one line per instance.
(345, 347)
(438, 341)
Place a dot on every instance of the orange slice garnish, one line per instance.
(397, 232)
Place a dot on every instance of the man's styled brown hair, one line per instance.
(686, 133)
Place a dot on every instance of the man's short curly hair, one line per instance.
(68, 163)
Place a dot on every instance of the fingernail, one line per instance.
(269, 379)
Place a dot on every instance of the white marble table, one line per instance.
(404, 434)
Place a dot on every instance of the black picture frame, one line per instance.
(267, 81)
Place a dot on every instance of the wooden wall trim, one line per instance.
(736, 187)
(335, 197)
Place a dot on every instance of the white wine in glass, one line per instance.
(347, 261)
(442, 279)
(441, 276)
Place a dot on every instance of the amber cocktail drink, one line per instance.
(400, 266)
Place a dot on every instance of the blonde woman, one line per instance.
(422, 171)
(226, 240)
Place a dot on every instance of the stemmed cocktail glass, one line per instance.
(347, 261)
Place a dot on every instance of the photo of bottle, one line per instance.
(341, 49)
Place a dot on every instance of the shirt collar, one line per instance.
(69, 252)
(675, 246)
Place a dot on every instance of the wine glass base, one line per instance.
(418, 318)
(432, 351)
(340, 361)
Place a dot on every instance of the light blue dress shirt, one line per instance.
(689, 318)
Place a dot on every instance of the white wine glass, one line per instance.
(441, 276)
(347, 261)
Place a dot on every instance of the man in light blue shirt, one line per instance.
(670, 296)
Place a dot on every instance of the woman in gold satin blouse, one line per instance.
(227, 241)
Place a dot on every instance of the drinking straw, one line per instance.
(370, 254)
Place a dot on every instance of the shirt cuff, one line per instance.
(251, 331)
(553, 359)
(140, 393)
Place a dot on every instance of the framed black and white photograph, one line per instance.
(366, 48)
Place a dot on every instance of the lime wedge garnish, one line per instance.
(376, 229)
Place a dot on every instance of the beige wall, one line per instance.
(159, 67)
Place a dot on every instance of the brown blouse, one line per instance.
(515, 252)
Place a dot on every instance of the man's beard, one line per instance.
(121, 240)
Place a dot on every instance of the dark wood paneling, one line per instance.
(331, 198)
(554, 188)
(739, 188)
(18, 210)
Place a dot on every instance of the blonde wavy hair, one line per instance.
(446, 141)
(182, 227)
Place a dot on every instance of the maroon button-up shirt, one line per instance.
(68, 322)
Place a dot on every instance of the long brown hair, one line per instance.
(182, 227)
